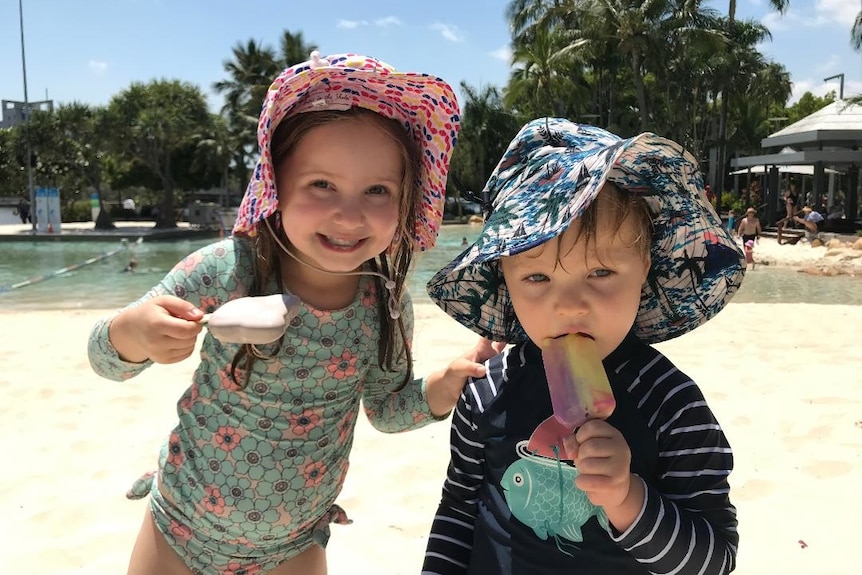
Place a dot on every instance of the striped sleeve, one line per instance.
(687, 524)
(450, 542)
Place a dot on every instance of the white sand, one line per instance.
(790, 402)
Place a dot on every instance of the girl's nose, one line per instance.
(348, 213)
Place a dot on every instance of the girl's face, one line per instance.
(574, 289)
(338, 193)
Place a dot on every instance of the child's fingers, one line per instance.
(463, 368)
(571, 445)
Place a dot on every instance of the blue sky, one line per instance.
(88, 50)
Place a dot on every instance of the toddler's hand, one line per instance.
(163, 329)
(603, 459)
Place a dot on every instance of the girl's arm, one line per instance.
(422, 400)
(203, 279)
(389, 410)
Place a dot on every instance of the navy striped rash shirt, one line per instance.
(687, 525)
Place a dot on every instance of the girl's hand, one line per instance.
(485, 349)
(603, 459)
(163, 329)
(443, 387)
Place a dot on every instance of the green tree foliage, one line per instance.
(250, 71)
(154, 123)
(807, 104)
(486, 130)
(13, 173)
(856, 33)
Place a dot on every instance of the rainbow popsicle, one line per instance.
(579, 386)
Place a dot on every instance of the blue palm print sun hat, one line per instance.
(548, 176)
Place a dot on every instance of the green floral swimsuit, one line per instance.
(248, 478)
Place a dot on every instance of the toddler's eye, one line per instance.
(536, 278)
(323, 184)
(602, 273)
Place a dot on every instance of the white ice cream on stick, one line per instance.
(254, 319)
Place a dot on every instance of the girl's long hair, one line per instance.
(394, 263)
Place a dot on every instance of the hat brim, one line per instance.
(696, 265)
(424, 104)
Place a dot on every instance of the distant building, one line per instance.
(13, 111)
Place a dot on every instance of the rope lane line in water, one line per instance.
(61, 271)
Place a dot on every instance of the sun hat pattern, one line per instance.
(548, 176)
(425, 104)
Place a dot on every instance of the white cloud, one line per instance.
(825, 13)
(96, 67)
(351, 24)
(820, 88)
(387, 22)
(838, 11)
(828, 65)
(503, 53)
(448, 31)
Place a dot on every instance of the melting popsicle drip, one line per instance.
(577, 381)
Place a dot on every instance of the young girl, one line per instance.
(349, 184)
(748, 248)
(609, 244)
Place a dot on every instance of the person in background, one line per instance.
(748, 248)
(790, 200)
(731, 222)
(129, 208)
(24, 210)
(749, 226)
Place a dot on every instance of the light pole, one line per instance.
(840, 78)
(27, 121)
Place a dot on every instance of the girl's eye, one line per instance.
(323, 184)
(602, 273)
(377, 190)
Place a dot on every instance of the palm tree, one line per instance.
(546, 78)
(631, 28)
(856, 33)
(294, 49)
(486, 130)
(781, 7)
(250, 71)
(215, 150)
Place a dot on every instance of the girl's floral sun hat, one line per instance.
(424, 104)
(548, 176)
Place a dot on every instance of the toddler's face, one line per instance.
(564, 286)
(339, 194)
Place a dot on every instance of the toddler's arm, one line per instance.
(450, 542)
(687, 522)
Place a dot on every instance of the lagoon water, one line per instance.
(103, 285)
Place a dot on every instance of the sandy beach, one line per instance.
(784, 381)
